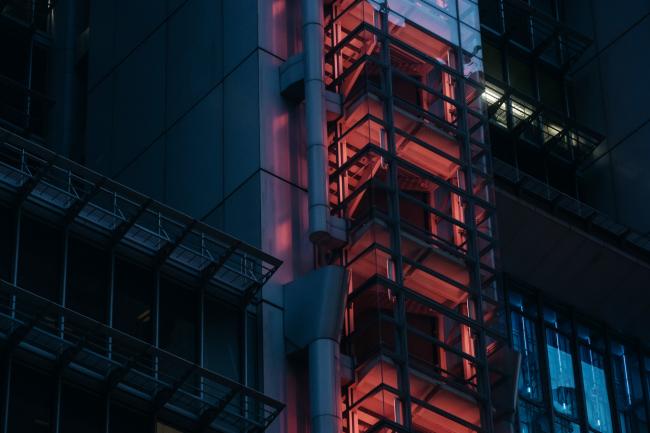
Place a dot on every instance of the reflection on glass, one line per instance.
(595, 385)
(560, 363)
(432, 15)
(525, 342)
(532, 419)
(628, 390)
(468, 11)
(563, 425)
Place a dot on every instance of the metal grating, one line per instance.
(81, 196)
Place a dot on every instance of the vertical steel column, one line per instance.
(473, 253)
(608, 370)
(6, 390)
(547, 387)
(394, 223)
(577, 373)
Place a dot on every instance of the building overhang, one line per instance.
(572, 266)
(38, 180)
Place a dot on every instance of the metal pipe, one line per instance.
(315, 120)
(324, 386)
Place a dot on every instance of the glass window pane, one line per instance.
(560, 362)
(31, 401)
(469, 13)
(133, 300)
(87, 280)
(471, 40)
(178, 325)
(563, 425)
(7, 239)
(81, 412)
(222, 339)
(525, 342)
(532, 419)
(39, 266)
(627, 389)
(123, 420)
(595, 385)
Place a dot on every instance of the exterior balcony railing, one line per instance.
(105, 359)
(532, 123)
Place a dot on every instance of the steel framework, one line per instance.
(410, 171)
(38, 183)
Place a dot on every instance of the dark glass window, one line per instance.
(123, 420)
(524, 340)
(88, 279)
(550, 89)
(222, 339)
(7, 239)
(521, 76)
(81, 412)
(133, 302)
(178, 319)
(492, 61)
(532, 419)
(252, 352)
(31, 401)
(628, 390)
(39, 264)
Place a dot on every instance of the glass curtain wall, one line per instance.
(581, 378)
(410, 172)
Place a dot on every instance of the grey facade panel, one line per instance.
(194, 159)
(194, 56)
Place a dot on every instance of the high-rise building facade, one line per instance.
(324, 216)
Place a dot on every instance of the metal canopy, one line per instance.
(82, 197)
(118, 363)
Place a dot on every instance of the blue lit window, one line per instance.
(595, 385)
(532, 419)
(628, 390)
(560, 362)
(525, 342)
